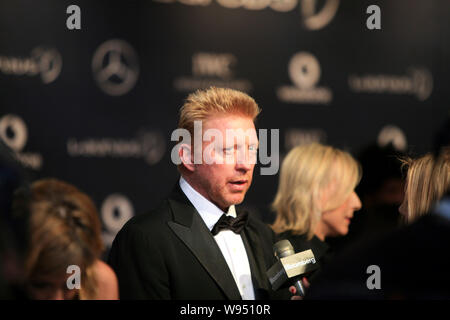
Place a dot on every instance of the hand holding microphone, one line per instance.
(290, 267)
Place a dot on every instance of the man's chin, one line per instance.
(236, 199)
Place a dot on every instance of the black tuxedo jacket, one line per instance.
(169, 253)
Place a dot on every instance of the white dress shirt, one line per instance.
(230, 243)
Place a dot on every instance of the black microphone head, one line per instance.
(283, 248)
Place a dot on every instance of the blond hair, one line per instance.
(203, 104)
(314, 178)
(427, 180)
(64, 229)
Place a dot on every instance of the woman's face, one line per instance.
(336, 222)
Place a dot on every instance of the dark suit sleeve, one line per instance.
(139, 265)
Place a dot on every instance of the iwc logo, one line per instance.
(212, 69)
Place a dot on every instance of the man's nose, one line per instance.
(244, 161)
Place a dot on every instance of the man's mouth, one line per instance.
(238, 185)
(238, 182)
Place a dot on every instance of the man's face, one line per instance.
(226, 171)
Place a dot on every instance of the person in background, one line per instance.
(381, 190)
(63, 230)
(13, 233)
(427, 180)
(316, 198)
(387, 267)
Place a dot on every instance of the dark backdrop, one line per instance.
(96, 106)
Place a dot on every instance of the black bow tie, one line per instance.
(228, 222)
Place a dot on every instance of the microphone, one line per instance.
(290, 266)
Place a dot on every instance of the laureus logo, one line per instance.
(147, 145)
(46, 62)
(115, 67)
(304, 71)
(417, 81)
(314, 18)
(315, 14)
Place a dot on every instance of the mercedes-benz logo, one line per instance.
(115, 66)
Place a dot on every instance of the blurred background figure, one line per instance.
(64, 230)
(316, 197)
(412, 262)
(13, 228)
(381, 191)
(427, 180)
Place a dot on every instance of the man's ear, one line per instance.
(186, 156)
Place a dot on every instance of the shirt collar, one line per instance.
(208, 211)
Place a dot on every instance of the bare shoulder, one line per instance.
(108, 287)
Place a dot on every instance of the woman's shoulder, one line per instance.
(108, 286)
(298, 241)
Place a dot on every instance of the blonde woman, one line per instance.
(64, 230)
(427, 180)
(316, 197)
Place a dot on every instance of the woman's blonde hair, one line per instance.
(427, 180)
(205, 103)
(313, 178)
(64, 229)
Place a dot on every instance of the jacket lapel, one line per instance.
(190, 228)
(256, 259)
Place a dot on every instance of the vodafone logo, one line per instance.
(391, 134)
(304, 71)
(14, 133)
(115, 211)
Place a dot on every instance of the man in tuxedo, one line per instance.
(197, 244)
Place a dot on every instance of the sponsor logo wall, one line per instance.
(96, 107)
